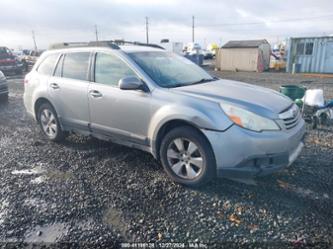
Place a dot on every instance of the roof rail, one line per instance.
(109, 44)
(114, 44)
(123, 42)
(68, 45)
(83, 44)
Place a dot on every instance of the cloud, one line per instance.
(220, 21)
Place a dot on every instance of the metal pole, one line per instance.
(96, 32)
(147, 31)
(192, 28)
(34, 40)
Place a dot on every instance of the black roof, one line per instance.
(244, 44)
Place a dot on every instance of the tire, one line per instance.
(49, 123)
(182, 146)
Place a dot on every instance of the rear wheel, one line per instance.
(49, 123)
(187, 156)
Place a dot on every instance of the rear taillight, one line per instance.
(26, 81)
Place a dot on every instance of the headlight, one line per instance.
(249, 120)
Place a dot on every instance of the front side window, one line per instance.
(76, 65)
(48, 64)
(170, 70)
(109, 69)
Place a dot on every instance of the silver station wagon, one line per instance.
(139, 95)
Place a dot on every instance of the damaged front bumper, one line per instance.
(241, 153)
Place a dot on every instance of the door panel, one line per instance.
(69, 90)
(116, 112)
(70, 98)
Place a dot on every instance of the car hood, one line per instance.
(260, 100)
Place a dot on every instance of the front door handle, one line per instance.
(95, 94)
(54, 86)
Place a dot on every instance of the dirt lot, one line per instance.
(99, 194)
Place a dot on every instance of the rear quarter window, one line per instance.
(48, 64)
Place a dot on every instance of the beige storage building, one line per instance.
(251, 56)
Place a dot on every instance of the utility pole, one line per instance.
(34, 40)
(96, 32)
(147, 35)
(193, 29)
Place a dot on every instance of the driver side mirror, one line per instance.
(130, 83)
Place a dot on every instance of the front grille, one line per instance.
(291, 117)
(291, 122)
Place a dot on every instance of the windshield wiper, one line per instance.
(204, 80)
(176, 85)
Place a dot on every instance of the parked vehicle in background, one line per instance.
(175, 47)
(3, 88)
(278, 60)
(21, 57)
(192, 48)
(32, 56)
(197, 125)
(18, 53)
(9, 64)
(193, 52)
(277, 63)
(213, 47)
(207, 54)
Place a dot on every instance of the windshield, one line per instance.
(170, 70)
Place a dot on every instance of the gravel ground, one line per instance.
(90, 193)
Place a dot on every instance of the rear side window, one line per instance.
(109, 69)
(48, 64)
(76, 65)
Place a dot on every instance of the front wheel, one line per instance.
(49, 123)
(187, 157)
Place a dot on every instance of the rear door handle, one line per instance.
(54, 86)
(95, 94)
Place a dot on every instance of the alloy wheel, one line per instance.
(49, 123)
(185, 158)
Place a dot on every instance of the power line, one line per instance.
(147, 31)
(276, 21)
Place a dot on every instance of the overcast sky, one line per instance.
(215, 21)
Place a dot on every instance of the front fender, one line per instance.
(209, 117)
